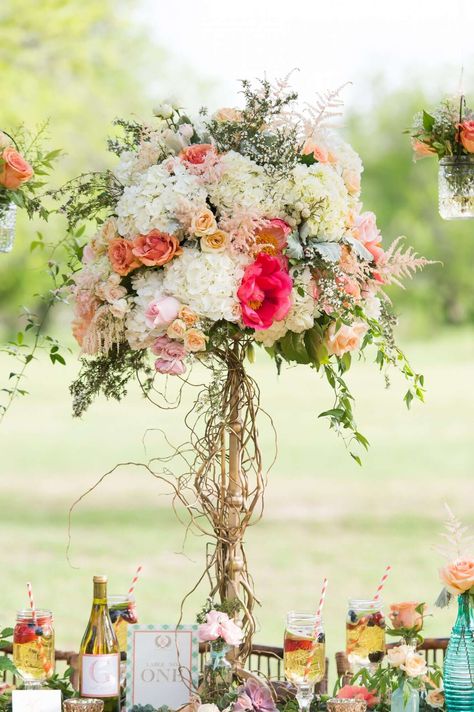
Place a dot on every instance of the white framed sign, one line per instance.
(162, 665)
(36, 701)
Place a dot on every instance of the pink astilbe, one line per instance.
(103, 333)
(242, 227)
(397, 264)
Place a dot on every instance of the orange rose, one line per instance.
(196, 153)
(203, 223)
(421, 150)
(458, 577)
(405, 615)
(466, 135)
(121, 256)
(216, 242)
(156, 248)
(15, 170)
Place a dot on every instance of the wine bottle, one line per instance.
(100, 653)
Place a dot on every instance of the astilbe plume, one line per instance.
(399, 263)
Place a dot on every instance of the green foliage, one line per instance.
(229, 606)
(439, 130)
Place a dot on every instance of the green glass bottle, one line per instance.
(100, 653)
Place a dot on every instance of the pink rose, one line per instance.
(265, 292)
(121, 257)
(196, 153)
(161, 312)
(168, 349)
(354, 692)
(170, 368)
(367, 232)
(319, 152)
(466, 135)
(14, 170)
(458, 577)
(346, 338)
(405, 615)
(219, 625)
(421, 150)
(272, 238)
(156, 248)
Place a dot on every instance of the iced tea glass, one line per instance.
(365, 633)
(304, 636)
(33, 646)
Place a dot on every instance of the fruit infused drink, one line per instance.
(122, 612)
(303, 632)
(365, 633)
(33, 646)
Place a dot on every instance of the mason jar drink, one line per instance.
(304, 632)
(122, 612)
(33, 646)
(365, 633)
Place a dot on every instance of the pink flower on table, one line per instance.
(458, 576)
(170, 368)
(156, 248)
(421, 150)
(405, 615)
(196, 153)
(355, 692)
(219, 625)
(254, 696)
(161, 312)
(265, 292)
(367, 232)
(272, 238)
(346, 338)
(466, 135)
(14, 170)
(168, 349)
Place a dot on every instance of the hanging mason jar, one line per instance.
(218, 672)
(456, 187)
(7, 226)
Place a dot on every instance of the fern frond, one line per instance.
(458, 541)
(399, 263)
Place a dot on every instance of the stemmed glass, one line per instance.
(304, 654)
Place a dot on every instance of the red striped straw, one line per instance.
(31, 600)
(382, 583)
(309, 661)
(134, 580)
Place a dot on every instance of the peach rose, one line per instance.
(14, 171)
(187, 315)
(203, 223)
(421, 150)
(346, 338)
(352, 181)
(156, 248)
(176, 329)
(435, 698)
(414, 665)
(196, 153)
(319, 152)
(218, 241)
(405, 615)
(228, 114)
(367, 232)
(121, 256)
(466, 135)
(396, 656)
(195, 340)
(458, 577)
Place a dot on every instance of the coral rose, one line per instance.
(367, 232)
(194, 340)
(435, 698)
(161, 312)
(156, 248)
(466, 135)
(272, 238)
(458, 577)
(355, 692)
(121, 256)
(218, 241)
(414, 665)
(14, 171)
(203, 223)
(196, 153)
(421, 150)
(265, 292)
(405, 615)
(346, 338)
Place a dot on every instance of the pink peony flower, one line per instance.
(265, 292)
(170, 368)
(367, 232)
(219, 625)
(161, 312)
(354, 692)
(167, 348)
(196, 153)
(156, 248)
(272, 238)
(254, 696)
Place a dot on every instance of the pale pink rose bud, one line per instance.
(161, 312)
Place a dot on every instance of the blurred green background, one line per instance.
(81, 64)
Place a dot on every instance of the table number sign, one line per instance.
(36, 700)
(162, 665)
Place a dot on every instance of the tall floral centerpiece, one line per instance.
(218, 234)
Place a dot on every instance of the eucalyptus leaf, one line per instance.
(294, 249)
(329, 251)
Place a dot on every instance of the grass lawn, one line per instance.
(323, 514)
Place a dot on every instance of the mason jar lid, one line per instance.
(26, 615)
(365, 604)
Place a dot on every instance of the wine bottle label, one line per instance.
(100, 675)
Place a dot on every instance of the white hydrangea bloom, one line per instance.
(207, 282)
(301, 315)
(321, 191)
(267, 337)
(124, 170)
(155, 199)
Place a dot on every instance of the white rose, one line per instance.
(397, 656)
(414, 665)
(163, 111)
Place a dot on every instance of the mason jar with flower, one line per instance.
(222, 634)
